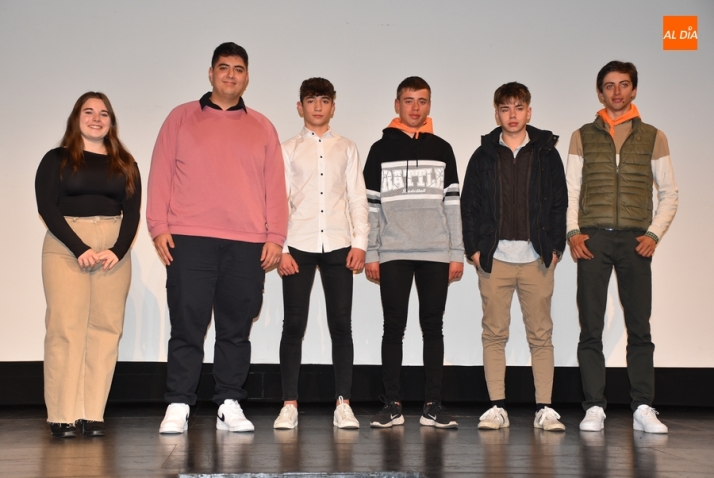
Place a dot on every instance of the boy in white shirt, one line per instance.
(328, 229)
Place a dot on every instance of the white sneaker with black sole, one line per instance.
(176, 419)
(230, 417)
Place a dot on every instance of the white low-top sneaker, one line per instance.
(176, 418)
(494, 418)
(594, 420)
(230, 417)
(344, 418)
(547, 419)
(287, 419)
(645, 419)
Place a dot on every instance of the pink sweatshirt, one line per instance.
(217, 174)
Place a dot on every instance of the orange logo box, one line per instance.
(679, 33)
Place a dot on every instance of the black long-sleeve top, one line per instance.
(91, 191)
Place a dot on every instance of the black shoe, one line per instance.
(92, 429)
(389, 416)
(63, 430)
(435, 415)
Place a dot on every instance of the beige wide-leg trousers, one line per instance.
(84, 321)
(533, 283)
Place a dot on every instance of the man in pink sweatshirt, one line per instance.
(217, 212)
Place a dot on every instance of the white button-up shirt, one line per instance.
(326, 193)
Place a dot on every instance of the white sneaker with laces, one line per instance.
(547, 419)
(287, 419)
(344, 417)
(594, 420)
(230, 417)
(645, 419)
(494, 418)
(176, 418)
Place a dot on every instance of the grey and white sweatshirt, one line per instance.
(413, 194)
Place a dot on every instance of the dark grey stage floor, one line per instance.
(133, 446)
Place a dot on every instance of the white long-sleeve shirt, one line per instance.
(667, 191)
(326, 193)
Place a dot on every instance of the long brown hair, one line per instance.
(120, 160)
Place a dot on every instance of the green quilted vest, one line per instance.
(611, 196)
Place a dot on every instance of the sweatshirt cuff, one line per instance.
(157, 230)
(456, 256)
(371, 256)
(276, 239)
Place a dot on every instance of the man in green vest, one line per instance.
(613, 163)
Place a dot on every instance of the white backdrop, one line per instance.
(149, 56)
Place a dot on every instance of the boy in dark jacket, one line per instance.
(513, 212)
(415, 235)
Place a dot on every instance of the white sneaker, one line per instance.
(594, 420)
(547, 419)
(230, 417)
(287, 419)
(176, 419)
(493, 419)
(344, 418)
(645, 419)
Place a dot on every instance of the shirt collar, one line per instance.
(515, 152)
(307, 132)
(206, 101)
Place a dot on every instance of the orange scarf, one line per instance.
(427, 127)
(633, 113)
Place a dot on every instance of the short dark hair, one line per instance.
(229, 49)
(317, 87)
(620, 67)
(413, 83)
(512, 91)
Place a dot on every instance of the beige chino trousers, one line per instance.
(84, 321)
(533, 283)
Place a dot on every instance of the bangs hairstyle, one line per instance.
(413, 83)
(120, 160)
(317, 87)
(229, 49)
(619, 66)
(509, 92)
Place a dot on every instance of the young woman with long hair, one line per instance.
(88, 193)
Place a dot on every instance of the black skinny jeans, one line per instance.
(432, 283)
(337, 284)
